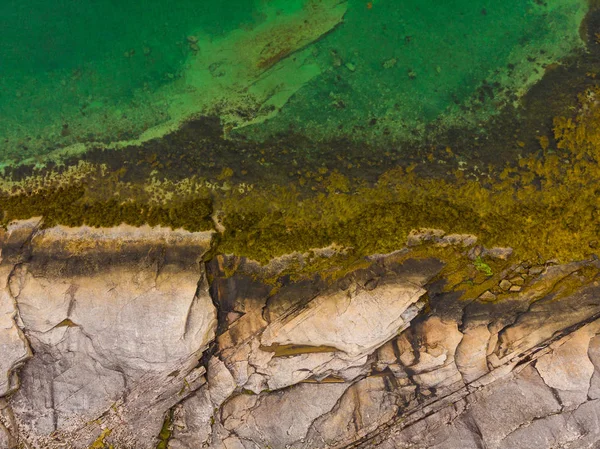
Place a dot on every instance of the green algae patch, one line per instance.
(166, 431)
(483, 267)
(246, 76)
(243, 64)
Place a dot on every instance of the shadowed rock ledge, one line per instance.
(135, 337)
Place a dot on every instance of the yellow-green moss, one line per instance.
(482, 266)
(100, 443)
(70, 206)
(544, 208)
(165, 432)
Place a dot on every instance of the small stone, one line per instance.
(419, 236)
(521, 269)
(505, 284)
(499, 253)
(233, 317)
(458, 239)
(475, 252)
(192, 39)
(337, 61)
(487, 296)
(515, 288)
(518, 280)
(533, 271)
(412, 74)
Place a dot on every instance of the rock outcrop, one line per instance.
(117, 320)
(127, 337)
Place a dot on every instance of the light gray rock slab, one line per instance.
(365, 404)
(281, 418)
(354, 322)
(508, 403)
(14, 347)
(193, 420)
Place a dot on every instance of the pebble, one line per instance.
(505, 284)
(487, 296)
(535, 270)
(518, 280)
(499, 253)
(419, 236)
(475, 252)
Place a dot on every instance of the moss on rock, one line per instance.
(545, 207)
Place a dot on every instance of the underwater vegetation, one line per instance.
(367, 71)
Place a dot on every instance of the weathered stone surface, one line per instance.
(365, 403)
(471, 353)
(126, 330)
(109, 312)
(193, 420)
(14, 347)
(435, 366)
(594, 357)
(282, 418)
(356, 322)
(547, 316)
(567, 368)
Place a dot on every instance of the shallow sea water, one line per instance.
(76, 75)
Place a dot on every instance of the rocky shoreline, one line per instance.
(137, 337)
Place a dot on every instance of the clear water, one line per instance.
(76, 72)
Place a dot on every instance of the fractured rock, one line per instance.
(108, 312)
(353, 322)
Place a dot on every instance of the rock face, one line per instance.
(116, 338)
(117, 320)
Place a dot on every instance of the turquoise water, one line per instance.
(413, 61)
(76, 72)
(63, 61)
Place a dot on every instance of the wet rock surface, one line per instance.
(126, 337)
